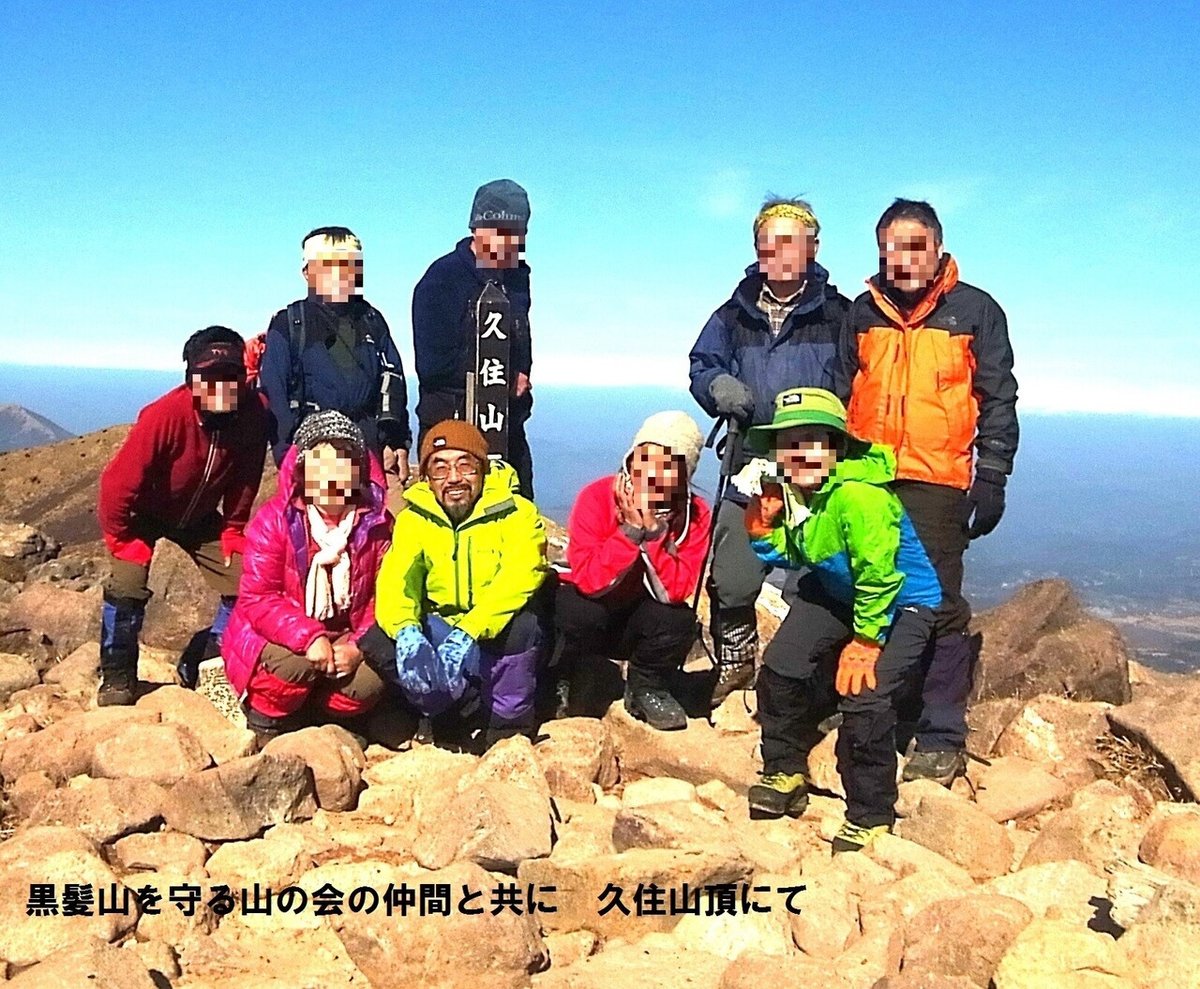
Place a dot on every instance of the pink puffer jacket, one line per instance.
(270, 606)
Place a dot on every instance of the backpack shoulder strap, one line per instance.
(297, 340)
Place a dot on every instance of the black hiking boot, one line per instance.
(656, 707)
(778, 794)
(266, 728)
(118, 688)
(731, 677)
(941, 767)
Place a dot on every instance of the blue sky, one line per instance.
(161, 161)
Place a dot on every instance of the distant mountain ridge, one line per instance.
(21, 428)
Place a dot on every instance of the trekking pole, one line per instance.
(728, 454)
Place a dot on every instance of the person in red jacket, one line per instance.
(189, 472)
(308, 589)
(638, 542)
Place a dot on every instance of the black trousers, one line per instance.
(937, 695)
(654, 637)
(807, 643)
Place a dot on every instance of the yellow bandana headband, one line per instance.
(322, 247)
(789, 211)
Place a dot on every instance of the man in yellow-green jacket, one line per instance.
(456, 589)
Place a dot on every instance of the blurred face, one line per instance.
(335, 279)
(909, 255)
(657, 476)
(497, 248)
(216, 393)
(331, 479)
(786, 247)
(806, 455)
(456, 478)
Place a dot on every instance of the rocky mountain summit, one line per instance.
(153, 846)
(21, 428)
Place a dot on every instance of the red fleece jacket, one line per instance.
(603, 559)
(171, 472)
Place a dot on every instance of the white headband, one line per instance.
(322, 247)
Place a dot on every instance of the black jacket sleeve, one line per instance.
(846, 365)
(273, 377)
(995, 388)
(710, 357)
(437, 312)
(392, 420)
(522, 341)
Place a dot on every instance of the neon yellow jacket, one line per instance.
(477, 576)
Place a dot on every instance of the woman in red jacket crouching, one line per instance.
(308, 583)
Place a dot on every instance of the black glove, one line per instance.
(985, 502)
(732, 397)
(392, 433)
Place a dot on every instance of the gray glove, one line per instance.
(732, 397)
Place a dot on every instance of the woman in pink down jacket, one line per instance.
(308, 583)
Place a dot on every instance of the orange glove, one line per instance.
(763, 510)
(856, 666)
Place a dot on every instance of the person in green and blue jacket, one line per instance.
(825, 505)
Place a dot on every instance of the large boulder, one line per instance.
(159, 851)
(333, 756)
(90, 964)
(65, 748)
(1160, 946)
(160, 753)
(1042, 641)
(960, 832)
(496, 825)
(1059, 735)
(274, 862)
(1172, 843)
(56, 856)
(47, 614)
(1010, 788)
(964, 936)
(179, 706)
(677, 824)
(16, 673)
(1102, 826)
(655, 961)
(500, 950)
(102, 810)
(575, 753)
(1167, 722)
(1063, 955)
(241, 798)
(1067, 890)
(21, 548)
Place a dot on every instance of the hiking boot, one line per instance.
(731, 677)
(118, 688)
(941, 767)
(265, 727)
(852, 838)
(778, 794)
(656, 707)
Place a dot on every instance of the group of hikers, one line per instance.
(866, 443)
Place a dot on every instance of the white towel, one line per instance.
(327, 592)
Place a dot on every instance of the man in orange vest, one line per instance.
(927, 362)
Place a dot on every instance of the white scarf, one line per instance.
(327, 592)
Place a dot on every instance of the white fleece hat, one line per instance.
(677, 431)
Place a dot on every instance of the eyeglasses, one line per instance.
(441, 471)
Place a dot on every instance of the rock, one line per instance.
(961, 833)
(27, 790)
(964, 936)
(717, 795)
(737, 713)
(918, 890)
(679, 824)
(160, 960)
(496, 825)
(160, 851)
(728, 935)
(580, 881)
(180, 706)
(333, 756)
(1011, 788)
(53, 855)
(86, 965)
(699, 754)
(1172, 844)
(1067, 890)
(273, 862)
(752, 971)
(158, 666)
(827, 921)
(495, 950)
(567, 949)
(63, 619)
(419, 783)
(912, 978)
(64, 749)
(1168, 724)
(162, 754)
(659, 790)
(16, 673)
(822, 766)
(1059, 735)
(1151, 948)
(1060, 954)
(576, 753)
(511, 761)
(877, 953)
(181, 604)
(585, 830)
(909, 795)
(1041, 641)
(240, 798)
(656, 961)
(102, 810)
(21, 548)
(77, 674)
(167, 922)
(986, 720)
(1102, 826)
(904, 858)
(44, 705)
